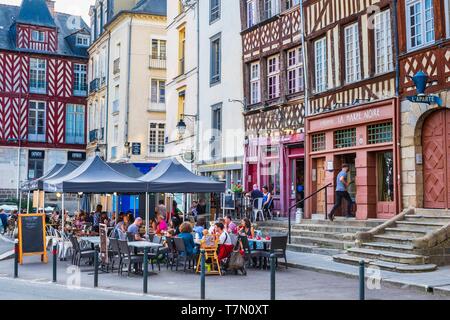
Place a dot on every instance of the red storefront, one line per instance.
(364, 137)
(277, 162)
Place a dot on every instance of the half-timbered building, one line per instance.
(352, 113)
(43, 72)
(424, 33)
(274, 96)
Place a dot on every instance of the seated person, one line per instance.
(225, 244)
(213, 228)
(161, 209)
(134, 229)
(161, 225)
(176, 222)
(255, 194)
(267, 203)
(188, 239)
(200, 226)
(246, 228)
(230, 226)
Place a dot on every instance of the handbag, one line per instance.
(236, 261)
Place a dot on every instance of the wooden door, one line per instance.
(320, 164)
(435, 143)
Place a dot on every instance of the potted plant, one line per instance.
(237, 189)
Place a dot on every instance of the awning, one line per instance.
(95, 176)
(171, 176)
(37, 184)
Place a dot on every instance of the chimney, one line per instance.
(51, 7)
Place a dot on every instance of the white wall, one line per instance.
(231, 84)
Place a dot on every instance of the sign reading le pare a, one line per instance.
(351, 118)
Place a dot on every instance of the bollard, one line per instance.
(361, 280)
(16, 258)
(145, 269)
(55, 258)
(272, 276)
(202, 275)
(96, 268)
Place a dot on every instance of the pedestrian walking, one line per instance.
(342, 193)
(4, 220)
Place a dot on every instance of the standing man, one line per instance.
(97, 214)
(341, 192)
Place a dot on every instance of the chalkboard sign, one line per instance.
(228, 202)
(32, 236)
(104, 243)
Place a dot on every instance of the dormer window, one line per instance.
(38, 36)
(82, 41)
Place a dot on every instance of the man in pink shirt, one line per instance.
(230, 226)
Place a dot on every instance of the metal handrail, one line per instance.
(303, 200)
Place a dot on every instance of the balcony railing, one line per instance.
(115, 106)
(157, 61)
(96, 134)
(116, 66)
(94, 85)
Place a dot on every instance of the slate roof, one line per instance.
(156, 7)
(67, 25)
(35, 12)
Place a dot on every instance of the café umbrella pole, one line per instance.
(28, 202)
(147, 223)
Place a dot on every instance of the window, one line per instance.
(294, 70)
(181, 50)
(273, 77)
(271, 8)
(115, 106)
(38, 70)
(214, 10)
(352, 59)
(321, 64)
(345, 138)
(158, 91)
(216, 138)
(105, 12)
(82, 41)
(385, 176)
(379, 133)
(318, 142)
(181, 102)
(270, 168)
(447, 14)
(215, 60)
(156, 137)
(159, 49)
(116, 134)
(255, 83)
(291, 3)
(35, 164)
(80, 83)
(99, 22)
(252, 13)
(36, 121)
(383, 42)
(38, 36)
(75, 124)
(420, 23)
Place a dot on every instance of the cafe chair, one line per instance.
(269, 209)
(278, 246)
(181, 253)
(171, 254)
(250, 254)
(128, 258)
(80, 254)
(115, 255)
(257, 209)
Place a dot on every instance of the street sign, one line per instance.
(426, 99)
(136, 148)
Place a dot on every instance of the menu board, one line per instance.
(104, 242)
(32, 238)
(228, 202)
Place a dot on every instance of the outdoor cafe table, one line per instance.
(145, 245)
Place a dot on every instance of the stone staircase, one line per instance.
(414, 241)
(320, 236)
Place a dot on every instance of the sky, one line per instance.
(75, 7)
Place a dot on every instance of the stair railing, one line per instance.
(325, 189)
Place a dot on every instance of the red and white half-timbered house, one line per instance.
(352, 110)
(43, 71)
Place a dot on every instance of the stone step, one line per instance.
(351, 222)
(384, 265)
(391, 247)
(396, 239)
(422, 218)
(432, 212)
(410, 232)
(313, 249)
(420, 225)
(396, 257)
(318, 228)
(310, 233)
(324, 243)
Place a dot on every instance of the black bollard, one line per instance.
(55, 258)
(96, 268)
(202, 275)
(272, 276)
(145, 269)
(361, 280)
(16, 259)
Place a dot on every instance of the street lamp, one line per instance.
(181, 125)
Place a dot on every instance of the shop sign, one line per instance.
(36, 154)
(426, 99)
(76, 156)
(136, 148)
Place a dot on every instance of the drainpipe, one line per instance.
(197, 123)
(305, 62)
(107, 97)
(397, 108)
(129, 82)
